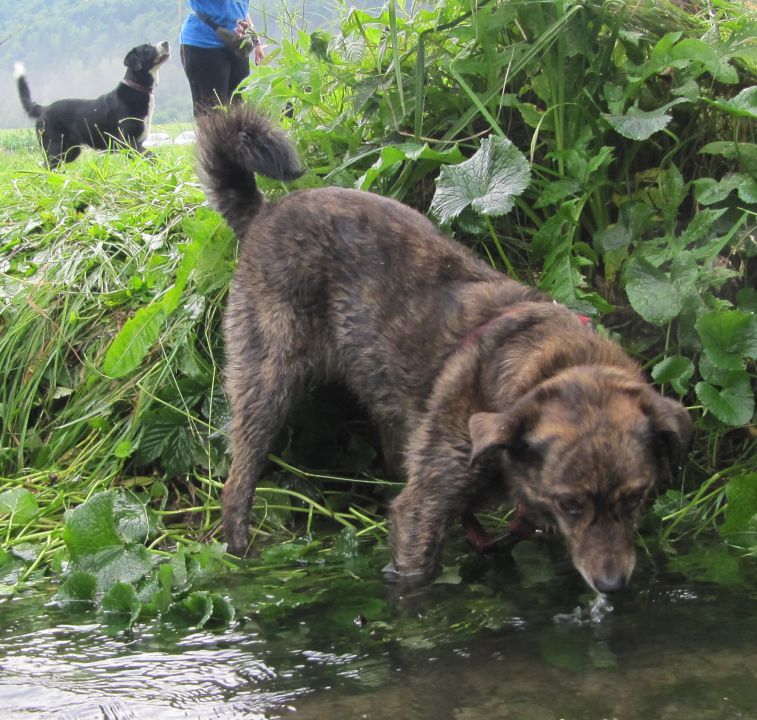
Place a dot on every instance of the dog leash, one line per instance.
(519, 528)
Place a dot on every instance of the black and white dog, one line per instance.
(118, 119)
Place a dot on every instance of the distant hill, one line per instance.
(75, 48)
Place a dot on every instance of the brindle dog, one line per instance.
(477, 382)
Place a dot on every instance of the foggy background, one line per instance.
(75, 48)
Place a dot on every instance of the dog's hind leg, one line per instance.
(56, 150)
(261, 395)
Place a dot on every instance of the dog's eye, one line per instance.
(633, 500)
(570, 505)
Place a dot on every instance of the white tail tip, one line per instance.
(18, 70)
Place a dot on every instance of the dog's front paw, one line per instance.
(406, 577)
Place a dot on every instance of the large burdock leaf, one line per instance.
(641, 124)
(488, 181)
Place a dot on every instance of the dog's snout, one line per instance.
(609, 583)
(164, 46)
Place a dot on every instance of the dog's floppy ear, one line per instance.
(132, 60)
(671, 424)
(487, 431)
(505, 430)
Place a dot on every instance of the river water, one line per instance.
(515, 639)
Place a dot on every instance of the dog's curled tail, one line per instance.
(234, 145)
(33, 110)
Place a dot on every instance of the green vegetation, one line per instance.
(603, 151)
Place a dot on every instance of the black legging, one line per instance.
(214, 74)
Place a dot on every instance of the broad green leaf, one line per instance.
(561, 278)
(121, 599)
(199, 606)
(676, 370)
(651, 292)
(131, 519)
(11, 568)
(209, 257)
(711, 372)
(196, 565)
(123, 449)
(731, 150)
(117, 563)
(91, 526)
(167, 435)
(290, 552)
(697, 51)
(78, 586)
(732, 403)
(223, 611)
(105, 520)
(728, 336)
(661, 51)
(160, 596)
(710, 191)
(613, 237)
(641, 124)
(20, 504)
(743, 105)
(134, 341)
(343, 613)
(177, 456)
(489, 181)
(673, 191)
(708, 564)
(741, 510)
(391, 155)
(700, 227)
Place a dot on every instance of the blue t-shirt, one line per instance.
(225, 12)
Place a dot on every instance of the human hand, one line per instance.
(243, 25)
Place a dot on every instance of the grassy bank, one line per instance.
(606, 154)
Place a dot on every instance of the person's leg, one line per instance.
(208, 71)
(239, 70)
